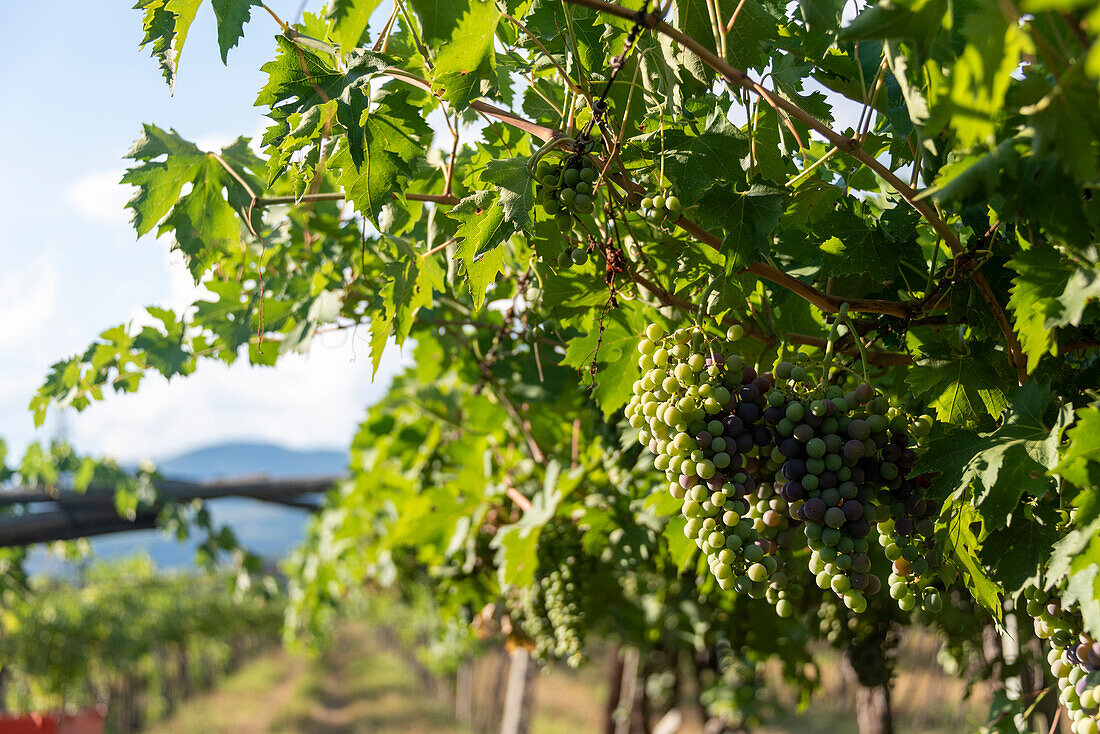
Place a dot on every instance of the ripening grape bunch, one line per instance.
(1074, 658)
(771, 463)
(551, 608)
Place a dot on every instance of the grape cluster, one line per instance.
(769, 462)
(551, 609)
(566, 188)
(699, 411)
(907, 538)
(662, 208)
(840, 451)
(571, 256)
(1074, 659)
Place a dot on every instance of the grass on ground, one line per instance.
(357, 687)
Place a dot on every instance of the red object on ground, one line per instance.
(89, 721)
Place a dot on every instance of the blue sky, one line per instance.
(75, 92)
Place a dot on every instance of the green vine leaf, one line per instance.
(482, 228)
(467, 60)
(963, 388)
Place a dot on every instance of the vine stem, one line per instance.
(830, 343)
(849, 146)
(519, 499)
(264, 201)
(859, 343)
(824, 301)
(669, 299)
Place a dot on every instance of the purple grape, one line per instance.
(853, 451)
(688, 482)
(853, 510)
(873, 585)
(760, 436)
(815, 509)
(859, 430)
(734, 426)
(794, 468)
(704, 438)
(793, 491)
(858, 528)
(749, 413)
(773, 415)
(744, 443)
(790, 447)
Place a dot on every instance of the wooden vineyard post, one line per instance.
(517, 698)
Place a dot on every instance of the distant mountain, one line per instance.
(267, 529)
(243, 458)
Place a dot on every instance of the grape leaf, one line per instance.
(616, 358)
(748, 44)
(482, 228)
(1002, 465)
(747, 218)
(231, 15)
(962, 538)
(695, 162)
(517, 544)
(516, 194)
(921, 21)
(981, 75)
(166, 23)
(1018, 553)
(468, 57)
(439, 18)
(854, 247)
(1080, 462)
(393, 137)
(1076, 561)
(963, 388)
(203, 220)
(1041, 278)
(1048, 292)
(349, 21)
(299, 81)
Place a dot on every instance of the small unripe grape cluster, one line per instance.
(699, 409)
(662, 208)
(1074, 659)
(906, 537)
(566, 188)
(836, 625)
(551, 609)
(571, 256)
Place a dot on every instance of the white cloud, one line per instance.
(28, 302)
(99, 197)
(307, 401)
